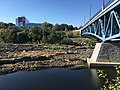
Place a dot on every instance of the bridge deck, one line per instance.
(105, 26)
(104, 11)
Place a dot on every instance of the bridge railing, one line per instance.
(107, 4)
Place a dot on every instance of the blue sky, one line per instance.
(52, 11)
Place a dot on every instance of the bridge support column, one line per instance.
(105, 55)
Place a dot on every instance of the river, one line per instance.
(51, 79)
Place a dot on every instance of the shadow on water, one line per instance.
(52, 79)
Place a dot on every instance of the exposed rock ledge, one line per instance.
(37, 65)
(15, 57)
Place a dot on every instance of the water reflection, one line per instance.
(95, 77)
(51, 79)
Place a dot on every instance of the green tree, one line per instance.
(3, 34)
(22, 37)
(47, 26)
(80, 27)
(8, 35)
(64, 27)
(70, 34)
(70, 28)
(60, 36)
(3, 25)
(12, 35)
(67, 40)
(56, 27)
(35, 34)
(52, 37)
(75, 28)
(46, 29)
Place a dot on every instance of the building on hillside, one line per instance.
(23, 21)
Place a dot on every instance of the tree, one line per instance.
(3, 34)
(70, 28)
(12, 35)
(67, 40)
(3, 25)
(22, 37)
(48, 33)
(35, 34)
(64, 27)
(56, 27)
(47, 26)
(75, 28)
(80, 27)
(52, 37)
(8, 35)
(46, 29)
(60, 36)
(70, 34)
(11, 24)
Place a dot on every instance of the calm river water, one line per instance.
(51, 79)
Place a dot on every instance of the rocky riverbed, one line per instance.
(16, 57)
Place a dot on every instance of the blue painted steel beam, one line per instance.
(104, 28)
(103, 13)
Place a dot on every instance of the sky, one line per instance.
(72, 12)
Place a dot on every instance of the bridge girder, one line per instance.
(106, 27)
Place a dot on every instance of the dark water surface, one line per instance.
(51, 79)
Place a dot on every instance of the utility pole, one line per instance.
(90, 12)
(103, 4)
(84, 19)
(81, 22)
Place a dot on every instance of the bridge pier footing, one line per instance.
(105, 55)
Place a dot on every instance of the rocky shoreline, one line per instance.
(38, 65)
(17, 57)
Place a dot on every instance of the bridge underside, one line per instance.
(106, 27)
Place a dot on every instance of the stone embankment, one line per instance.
(16, 57)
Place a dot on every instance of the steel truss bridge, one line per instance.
(105, 25)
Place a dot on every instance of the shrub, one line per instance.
(113, 84)
(73, 34)
(67, 40)
(87, 42)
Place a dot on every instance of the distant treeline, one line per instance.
(48, 33)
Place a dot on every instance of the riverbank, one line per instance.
(16, 57)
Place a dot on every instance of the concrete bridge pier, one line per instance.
(105, 55)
